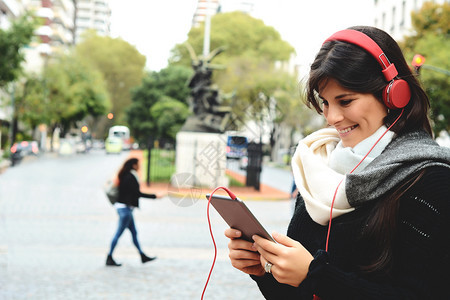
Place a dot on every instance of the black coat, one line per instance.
(129, 192)
(421, 255)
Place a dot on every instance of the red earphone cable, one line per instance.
(331, 209)
(335, 192)
(232, 196)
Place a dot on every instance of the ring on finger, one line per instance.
(268, 267)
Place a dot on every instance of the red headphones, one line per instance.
(397, 92)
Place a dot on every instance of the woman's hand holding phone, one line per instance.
(290, 260)
(243, 254)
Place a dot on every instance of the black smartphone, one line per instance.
(237, 215)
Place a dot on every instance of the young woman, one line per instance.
(129, 194)
(373, 207)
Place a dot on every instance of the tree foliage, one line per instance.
(29, 106)
(169, 116)
(253, 62)
(120, 63)
(241, 35)
(431, 39)
(432, 18)
(73, 90)
(248, 78)
(12, 41)
(159, 106)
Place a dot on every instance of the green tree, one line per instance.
(241, 35)
(12, 41)
(431, 39)
(73, 90)
(168, 87)
(248, 78)
(121, 65)
(254, 67)
(29, 105)
(169, 116)
(27, 96)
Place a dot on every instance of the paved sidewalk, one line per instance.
(57, 226)
(266, 192)
(4, 164)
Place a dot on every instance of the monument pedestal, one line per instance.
(201, 157)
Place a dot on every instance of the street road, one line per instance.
(56, 225)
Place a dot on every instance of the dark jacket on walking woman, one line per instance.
(129, 194)
(129, 191)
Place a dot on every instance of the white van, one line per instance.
(122, 132)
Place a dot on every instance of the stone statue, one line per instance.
(208, 113)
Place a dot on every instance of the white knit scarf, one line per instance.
(320, 163)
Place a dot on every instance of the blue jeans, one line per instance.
(126, 220)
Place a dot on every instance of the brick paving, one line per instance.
(56, 225)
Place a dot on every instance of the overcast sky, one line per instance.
(154, 27)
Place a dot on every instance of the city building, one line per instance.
(213, 7)
(394, 16)
(8, 9)
(54, 35)
(63, 23)
(92, 14)
(204, 7)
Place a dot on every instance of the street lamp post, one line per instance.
(12, 128)
(207, 32)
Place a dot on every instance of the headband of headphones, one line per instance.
(365, 42)
(397, 93)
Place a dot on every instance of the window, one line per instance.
(402, 21)
(393, 20)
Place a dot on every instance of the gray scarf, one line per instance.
(405, 155)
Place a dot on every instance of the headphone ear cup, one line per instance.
(396, 94)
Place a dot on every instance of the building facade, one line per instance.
(394, 16)
(213, 7)
(63, 23)
(204, 7)
(93, 14)
(9, 9)
(54, 35)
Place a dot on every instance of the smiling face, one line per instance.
(355, 116)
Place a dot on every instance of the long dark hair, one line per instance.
(127, 167)
(357, 70)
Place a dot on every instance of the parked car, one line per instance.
(113, 145)
(21, 149)
(236, 146)
(25, 148)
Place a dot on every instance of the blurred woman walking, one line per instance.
(129, 194)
